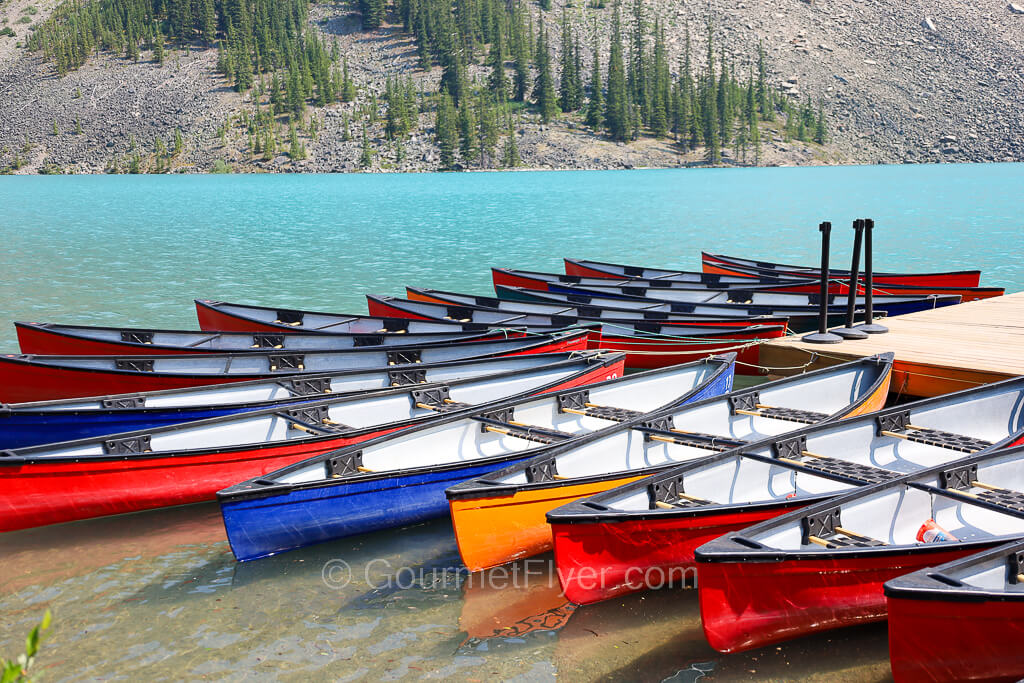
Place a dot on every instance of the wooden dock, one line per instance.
(937, 351)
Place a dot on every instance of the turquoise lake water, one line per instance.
(124, 250)
(158, 596)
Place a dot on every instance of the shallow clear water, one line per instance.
(158, 596)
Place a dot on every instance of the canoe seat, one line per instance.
(843, 468)
(605, 412)
(957, 442)
(707, 442)
(528, 433)
(680, 503)
(847, 540)
(1005, 498)
(792, 415)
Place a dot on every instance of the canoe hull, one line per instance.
(633, 555)
(776, 285)
(20, 430)
(746, 605)
(493, 530)
(711, 263)
(599, 561)
(267, 526)
(936, 640)
(42, 493)
(25, 382)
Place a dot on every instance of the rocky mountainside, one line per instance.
(918, 81)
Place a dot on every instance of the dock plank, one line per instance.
(937, 351)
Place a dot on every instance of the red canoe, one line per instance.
(961, 621)
(584, 270)
(824, 566)
(636, 538)
(189, 463)
(84, 340)
(26, 378)
(223, 316)
(731, 265)
(647, 345)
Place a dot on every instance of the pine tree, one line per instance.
(637, 80)
(709, 106)
(56, 128)
(617, 109)
(568, 89)
(520, 58)
(722, 105)
(660, 96)
(467, 134)
(595, 107)
(372, 12)
(366, 155)
(764, 105)
(296, 150)
(179, 143)
(487, 128)
(544, 90)
(497, 81)
(820, 128)
(753, 124)
(445, 130)
(510, 158)
(158, 48)
(348, 88)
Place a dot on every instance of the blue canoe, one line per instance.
(400, 479)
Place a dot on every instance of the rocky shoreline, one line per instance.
(898, 88)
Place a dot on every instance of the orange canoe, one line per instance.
(501, 517)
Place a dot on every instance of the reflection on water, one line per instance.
(158, 595)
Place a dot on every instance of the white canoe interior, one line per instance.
(286, 362)
(609, 312)
(594, 298)
(893, 515)
(989, 571)
(325, 322)
(252, 341)
(610, 326)
(258, 391)
(829, 392)
(318, 418)
(461, 314)
(990, 416)
(468, 439)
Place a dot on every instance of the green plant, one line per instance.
(16, 670)
(220, 166)
(7, 31)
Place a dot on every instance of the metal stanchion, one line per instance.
(848, 331)
(869, 326)
(823, 336)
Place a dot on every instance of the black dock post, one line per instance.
(869, 326)
(848, 331)
(823, 336)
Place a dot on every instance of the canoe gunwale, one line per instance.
(738, 547)
(23, 456)
(31, 359)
